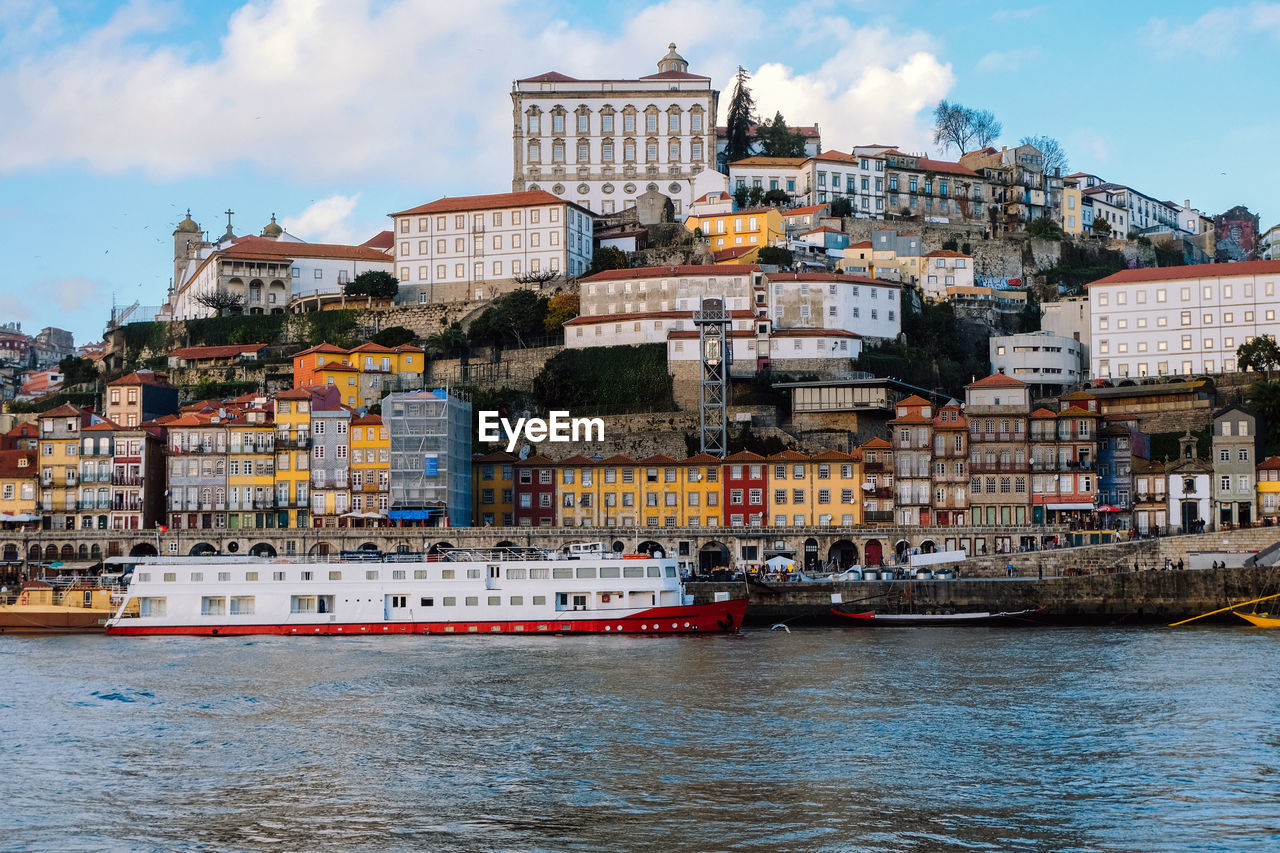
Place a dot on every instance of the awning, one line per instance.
(1070, 506)
(414, 514)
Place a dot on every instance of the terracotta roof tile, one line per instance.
(997, 380)
(455, 204)
(1192, 271)
(674, 272)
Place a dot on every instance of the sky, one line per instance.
(115, 118)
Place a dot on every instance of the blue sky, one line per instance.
(117, 117)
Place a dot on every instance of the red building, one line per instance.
(746, 487)
(535, 492)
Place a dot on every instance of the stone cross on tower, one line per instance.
(230, 234)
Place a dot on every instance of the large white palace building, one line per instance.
(601, 143)
(1180, 320)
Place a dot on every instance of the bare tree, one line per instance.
(1055, 159)
(220, 301)
(537, 280)
(964, 129)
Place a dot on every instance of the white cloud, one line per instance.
(1215, 33)
(1007, 15)
(76, 293)
(1007, 60)
(416, 89)
(871, 90)
(327, 221)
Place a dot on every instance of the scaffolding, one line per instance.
(715, 351)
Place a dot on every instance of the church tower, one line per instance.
(672, 61)
(187, 238)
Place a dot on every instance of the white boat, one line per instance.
(458, 592)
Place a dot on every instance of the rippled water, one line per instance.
(823, 739)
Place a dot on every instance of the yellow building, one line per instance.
(293, 457)
(493, 484)
(657, 491)
(60, 464)
(363, 374)
(702, 491)
(251, 467)
(1071, 214)
(757, 226)
(1269, 489)
(18, 475)
(370, 466)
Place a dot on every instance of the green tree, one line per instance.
(1101, 227)
(394, 336)
(755, 197)
(77, 371)
(778, 140)
(607, 258)
(841, 207)
(561, 308)
(1263, 397)
(776, 198)
(377, 284)
(1260, 353)
(1044, 228)
(513, 318)
(740, 195)
(774, 255)
(738, 123)
(449, 342)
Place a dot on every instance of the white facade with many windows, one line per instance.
(602, 143)
(1180, 320)
(476, 247)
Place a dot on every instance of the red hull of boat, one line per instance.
(719, 617)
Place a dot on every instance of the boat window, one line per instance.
(170, 577)
(397, 574)
(669, 571)
(242, 605)
(335, 575)
(371, 574)
(495, 601)
(539, 600)
(446, 574)
(224, 577)
(306, 576)
(213, 605)
(610, 571)
(277, 576)
(517, 601)
(654, 571)
(399, 601)
(561, 572)
(516, 574)
(419, 574)
(197, 577)
(633, 571)
(539, 574)
(144, 577)
(449, 601)
(250, 576)
(473, 574)
(586, 571)
(426, 602)
(302, 604)
(472, 601)
(151, 607)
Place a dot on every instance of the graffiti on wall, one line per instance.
(1237, 234)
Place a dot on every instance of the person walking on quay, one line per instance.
(1179, 564)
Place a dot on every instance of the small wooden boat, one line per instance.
(872, 618)
(1259, 620)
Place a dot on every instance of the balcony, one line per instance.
(127, 480)
(878, 516)
(996, 436)
(998, 467)
(300, 443)
(126, 506)
(103, 504)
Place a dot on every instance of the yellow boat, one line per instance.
(1259, 620)
(39, 608)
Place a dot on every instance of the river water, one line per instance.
(839, 739)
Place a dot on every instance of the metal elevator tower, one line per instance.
(716, 354)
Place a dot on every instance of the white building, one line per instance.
(1270, 244)
(1106, 205)
(1069, 318)
(1042, 359)
(818, 179)
(268, 272)
(1180, 320)
(811, 134)
(819, 300)
(601, 143)
(944, 268)
(475, 247)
